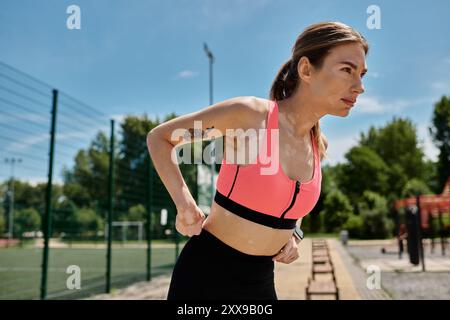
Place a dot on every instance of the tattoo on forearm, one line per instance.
(197, 133)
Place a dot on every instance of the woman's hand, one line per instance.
(289, 253)
(189, 220)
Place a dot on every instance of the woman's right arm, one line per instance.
(162, 140)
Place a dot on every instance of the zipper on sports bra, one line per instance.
(234, 181)
(297, 189)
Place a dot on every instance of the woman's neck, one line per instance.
(298, 114)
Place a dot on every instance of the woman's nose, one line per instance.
(359, 87)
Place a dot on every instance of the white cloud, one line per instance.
(35, 180)
(440, 86)
(186, 74)
(117, 117)
(24, 117)
(374, 74)
(367, 104)
(28, 142)
(371, 104)
(430, 150)
(80, 134)
(338, 146)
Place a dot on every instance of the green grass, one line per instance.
(20, 271)
(116, 242)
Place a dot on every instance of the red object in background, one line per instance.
(430, 204)
(5, 243)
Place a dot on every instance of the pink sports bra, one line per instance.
(274, 200)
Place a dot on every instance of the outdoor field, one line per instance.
(20, 269)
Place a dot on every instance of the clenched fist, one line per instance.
(189, 220)
(289, 253)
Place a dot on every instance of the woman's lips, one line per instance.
(348, 102)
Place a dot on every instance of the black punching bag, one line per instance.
(411, 226)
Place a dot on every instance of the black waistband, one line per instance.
(253, 215)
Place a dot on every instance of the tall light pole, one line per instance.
(12, 161)
(213, 145)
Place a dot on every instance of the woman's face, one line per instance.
(339, 79)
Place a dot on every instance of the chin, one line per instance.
(344, 113)
(340, 112)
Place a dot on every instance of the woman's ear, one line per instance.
(304, 69)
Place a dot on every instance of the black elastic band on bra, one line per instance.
(253, 215)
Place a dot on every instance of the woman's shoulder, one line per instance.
(261, 106)
(254, 104)
(256, 110)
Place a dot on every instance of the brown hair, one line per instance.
(314, 43)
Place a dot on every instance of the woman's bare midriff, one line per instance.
(245, 235)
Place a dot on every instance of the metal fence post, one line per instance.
(47, 221)
(149, 219)
(110, 208)
(175, 233)
(419, 232)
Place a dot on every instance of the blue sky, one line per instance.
(135, 57)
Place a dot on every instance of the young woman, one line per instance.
(260, 201)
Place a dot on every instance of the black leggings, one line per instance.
(208, 269)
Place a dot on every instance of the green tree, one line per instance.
(364, 170)
(3, 190)
(63, 217)
(87, 183)
(2, 222)
(431, 176)
(87, 222)
(337, 209)
(415, 186)
(313, 222)
(26, 220)
(133, 168)
(374, 214)
(354, 225)
(397, 144)
(132, 163)
(440, 132)
(137, 213)
(32, 196)
(384, 161)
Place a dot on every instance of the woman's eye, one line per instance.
(349, 69)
